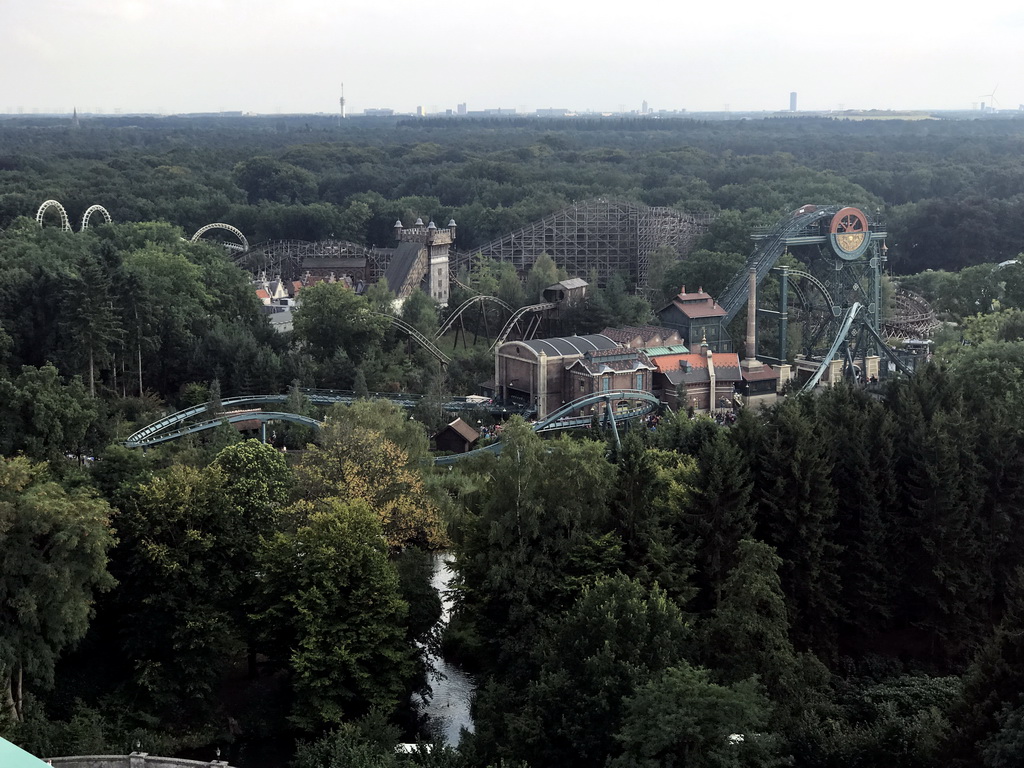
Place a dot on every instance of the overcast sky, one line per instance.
(272, 56)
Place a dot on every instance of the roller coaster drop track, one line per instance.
(853, 320)
(766, 255)
(449, 323)
(241, 246)
(418, 337)
(519, 314)
(175, 425)
(516, 315)
(856, 326)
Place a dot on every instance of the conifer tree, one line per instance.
(947, 590)
(992, 684)
(645, 519)
(216, 406)
(796, 515)
(359, 384)
(885, 456)
(748, 632)
(844, 418)
(1000, 454)
(678, 432)
(543, 273)
(91, 325)
(721, 511)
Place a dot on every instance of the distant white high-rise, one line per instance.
(341, 101)
(644, 109)
(792, 101)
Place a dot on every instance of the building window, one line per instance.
(606, 383)
(640, 381)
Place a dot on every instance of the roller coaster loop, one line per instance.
(242, 245)
(65, 222)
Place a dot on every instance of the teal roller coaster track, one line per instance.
(619, 406)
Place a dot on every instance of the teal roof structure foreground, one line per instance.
(15, 757)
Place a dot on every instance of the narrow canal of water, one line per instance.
(448, 710)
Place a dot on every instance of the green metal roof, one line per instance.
(675, 349)
(15, 757)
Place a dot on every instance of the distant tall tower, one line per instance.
(341, 102)
(644, 109)
(792, 101)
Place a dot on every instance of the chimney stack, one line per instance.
(750, 361)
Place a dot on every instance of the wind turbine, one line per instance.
(992, 104)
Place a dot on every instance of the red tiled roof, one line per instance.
(700, 294)
(262, 294)
(726, 359)
(696, 304)
(695, 309)
(667, 363)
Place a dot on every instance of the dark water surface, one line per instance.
(448, 710)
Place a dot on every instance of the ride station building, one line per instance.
(532, 372)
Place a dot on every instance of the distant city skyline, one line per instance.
(540, 113)
(182, 56)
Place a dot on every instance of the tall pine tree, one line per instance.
(946, 592)
(796, 515)
(721, 512)
(846, 419)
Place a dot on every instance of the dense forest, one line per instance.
(949, 190)
(832, 581)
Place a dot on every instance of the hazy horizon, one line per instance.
(182, 56)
